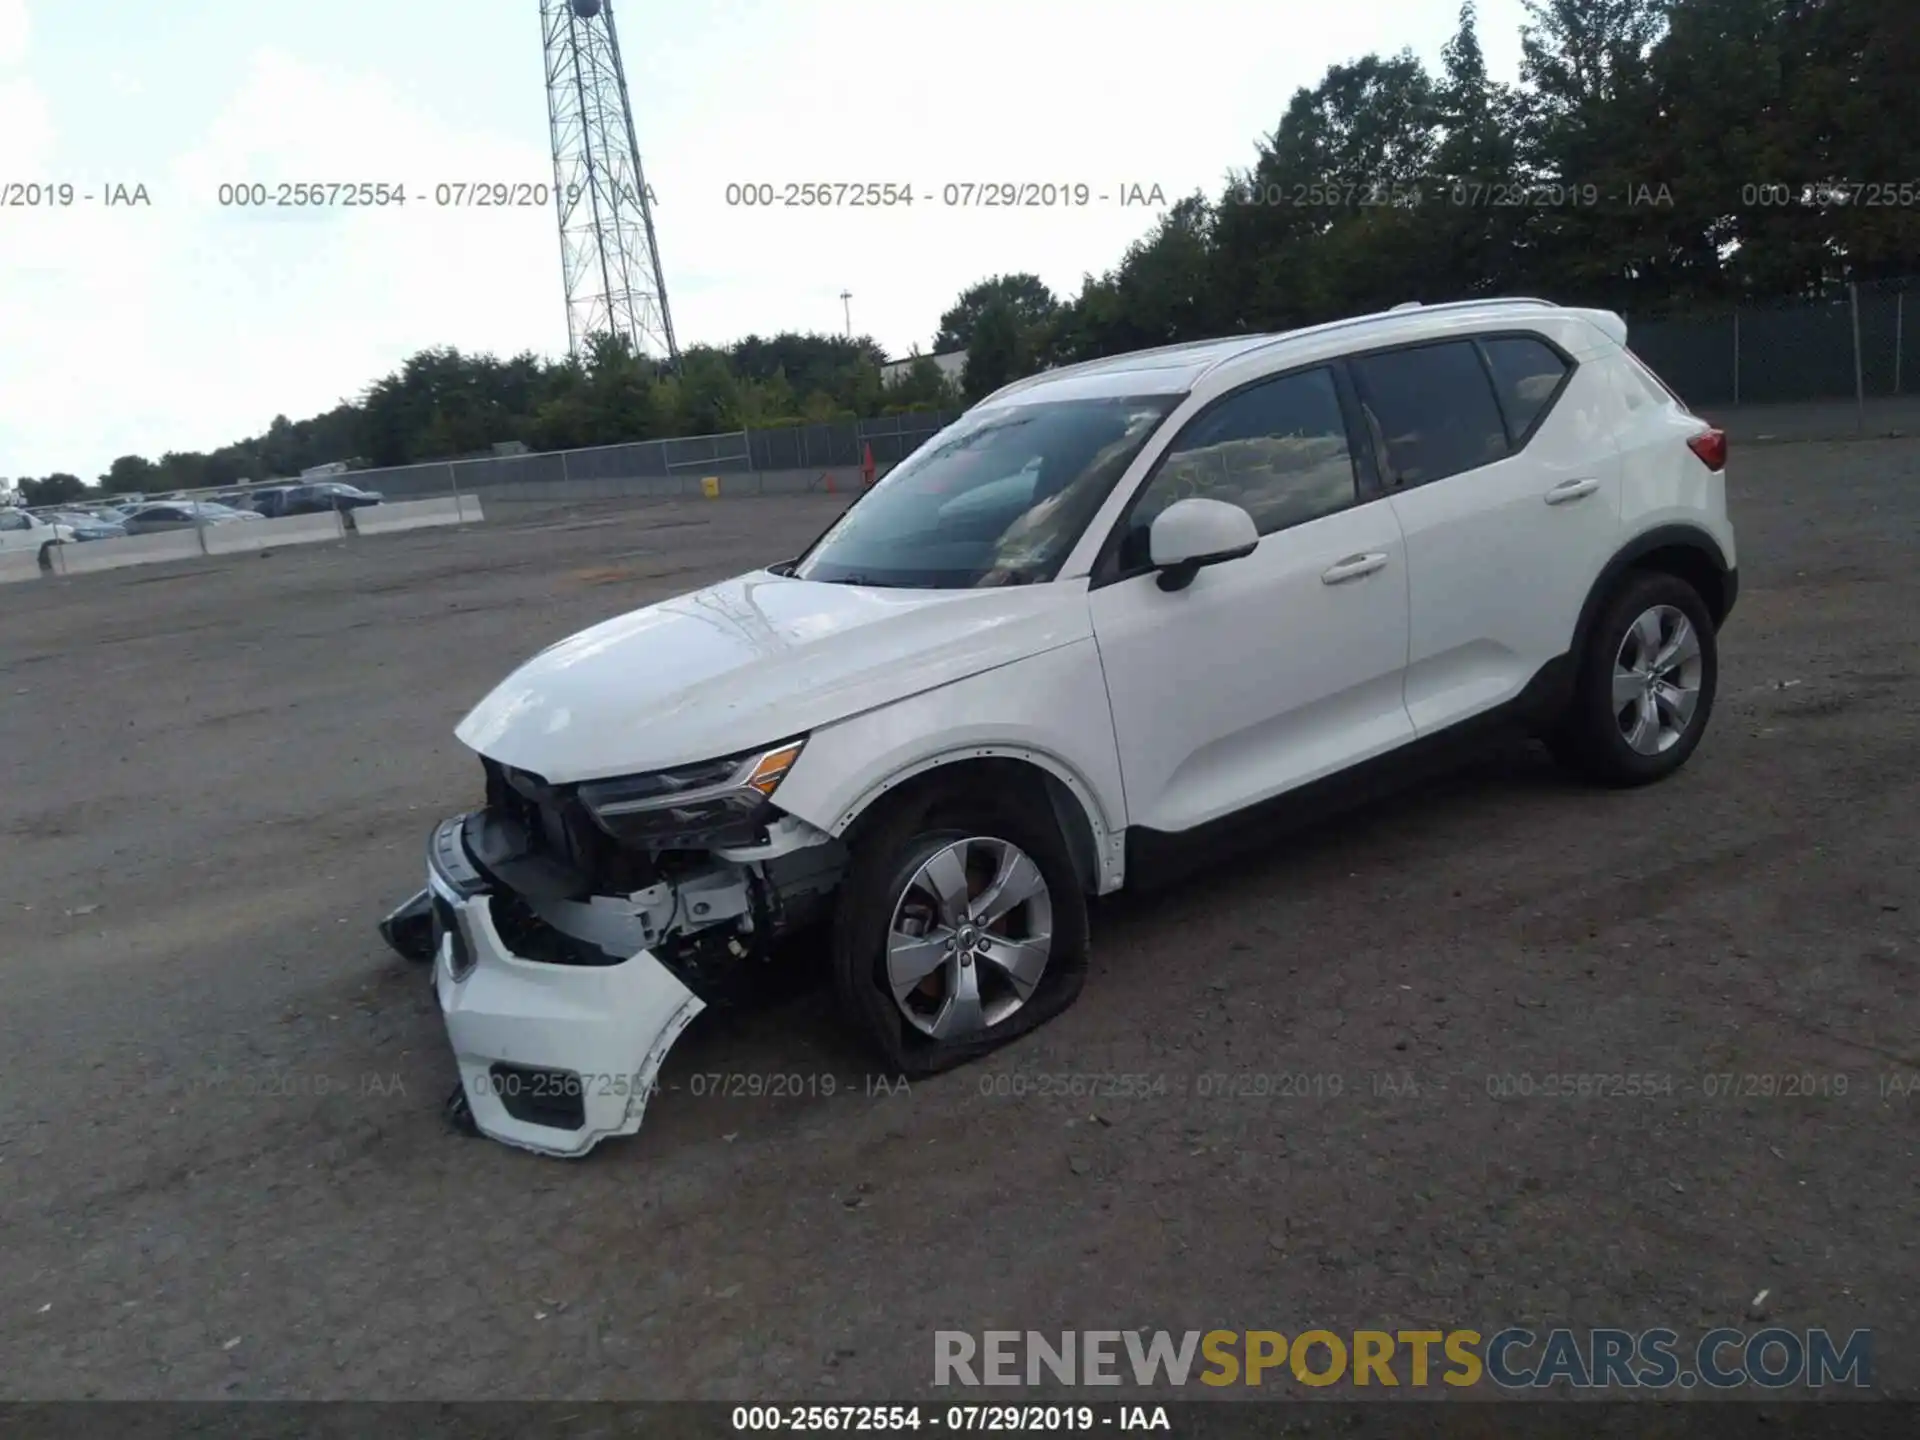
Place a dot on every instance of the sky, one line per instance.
(183, 324)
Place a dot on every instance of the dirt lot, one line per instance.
(222, 1166)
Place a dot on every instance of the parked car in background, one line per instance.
(85, 526)
(20, 530)
(328, 495)
(270, 502)
(158, 519)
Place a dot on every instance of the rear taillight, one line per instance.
(1711, 447)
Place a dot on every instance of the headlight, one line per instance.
(717, 802)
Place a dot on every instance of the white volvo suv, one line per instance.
(1113, 614)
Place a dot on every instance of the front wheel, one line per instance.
(960, 926)
(1645, 685)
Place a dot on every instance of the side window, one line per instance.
(1278, 449)
(1527, 374)
(1656, 390)
(1431, 411)
(13, 520)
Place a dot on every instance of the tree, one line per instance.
(183, 471)
(1001, 350)
(1320, 225)
(1476, 247)
(709, 395)
(1590, 107)
(1033, 306)
(925, 386)
(130, 475)
(56, 489)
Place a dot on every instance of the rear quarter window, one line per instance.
(1651, 386)
(1527, 376)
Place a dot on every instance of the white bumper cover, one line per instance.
(553, 1058)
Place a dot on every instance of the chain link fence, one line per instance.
(794, 459)
(1860, 345)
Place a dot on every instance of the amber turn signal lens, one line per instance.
(773, 767)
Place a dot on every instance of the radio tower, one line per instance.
(610, 260)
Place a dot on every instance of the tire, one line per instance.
(881, 880)
(1593, 739)
(46, 555)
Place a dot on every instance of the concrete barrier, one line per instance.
(239, 536)
(133, 550)
(19, 565)
(417, 514)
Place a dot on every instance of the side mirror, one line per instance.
(1191, 533)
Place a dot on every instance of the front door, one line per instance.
(1275, 669)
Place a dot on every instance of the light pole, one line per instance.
(846, 302)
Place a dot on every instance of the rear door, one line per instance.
(1503, 471)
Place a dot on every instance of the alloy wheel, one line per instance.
(969, 939)
(1656, 680)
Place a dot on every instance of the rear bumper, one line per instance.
(553, 1058)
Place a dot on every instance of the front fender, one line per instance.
(1049, 710)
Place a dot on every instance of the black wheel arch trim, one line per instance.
(1661, 537)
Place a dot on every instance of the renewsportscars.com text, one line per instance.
(1511, 1358)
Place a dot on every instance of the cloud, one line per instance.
(207, 320)
(14, 30)
(26, 125)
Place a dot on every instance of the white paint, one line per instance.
(611, 1025)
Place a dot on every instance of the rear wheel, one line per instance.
(1645, 685)
(960, 925)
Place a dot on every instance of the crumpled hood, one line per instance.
(749, 662)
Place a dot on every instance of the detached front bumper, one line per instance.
(553, 1058)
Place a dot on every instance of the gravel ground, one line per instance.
(223, 1172)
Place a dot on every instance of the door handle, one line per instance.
(1352, 568)
(1571, 490)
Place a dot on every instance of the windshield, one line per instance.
(997, 498)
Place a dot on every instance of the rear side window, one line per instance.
(1431, 410)
(1650, 381)
(1527, 375)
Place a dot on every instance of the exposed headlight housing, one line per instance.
(716, 802)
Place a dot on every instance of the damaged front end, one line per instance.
(576, 930)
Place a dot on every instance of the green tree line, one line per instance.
(442, 404)
(1653, 156)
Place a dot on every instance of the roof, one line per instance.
(1175, 369)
